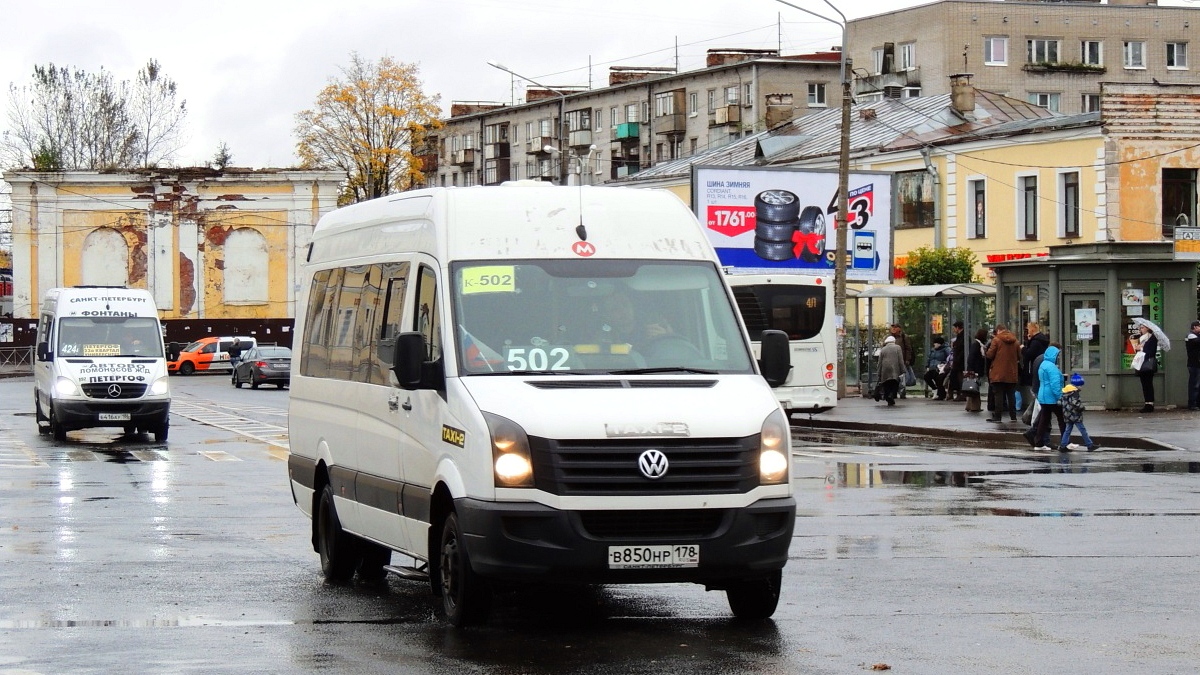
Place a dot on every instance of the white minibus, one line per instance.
(100, 362)
(538, 384)
(800, 305)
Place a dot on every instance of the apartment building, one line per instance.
(1053, 54)
(643, 117)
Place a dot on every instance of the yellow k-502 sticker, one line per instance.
(488, 279)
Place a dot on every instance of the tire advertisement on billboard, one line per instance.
(783, 219)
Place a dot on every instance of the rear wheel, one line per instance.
(339, 553)
(466, 598)
(755, 599)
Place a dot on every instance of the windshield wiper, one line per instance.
(673, 369)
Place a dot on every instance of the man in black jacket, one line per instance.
(1193, 365)
(958, 362)
(1035, 345)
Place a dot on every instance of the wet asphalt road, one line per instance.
(122, 555)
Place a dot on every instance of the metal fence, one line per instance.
(16, 359)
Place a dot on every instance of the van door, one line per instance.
(380, 435)
(424, 410)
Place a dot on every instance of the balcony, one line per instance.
(627, 132)
(464, 157)
(535, 145)
(1070, 68)
(675, 123)
(580, 138)
(622, 151)
(428, 163)
(730, 114)
(496, 151)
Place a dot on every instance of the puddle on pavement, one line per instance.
(10, 624)
(867, 474)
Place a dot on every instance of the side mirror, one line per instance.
(776, 358)
(407, 359)
(43, 352)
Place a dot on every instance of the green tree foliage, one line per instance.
(366, 124)
(68, 118)
(930, 266)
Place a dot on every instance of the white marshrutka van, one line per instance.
(529, 383)
(100, 362)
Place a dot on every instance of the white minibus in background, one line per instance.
(800, 305)
(100, 362)
(535, 384)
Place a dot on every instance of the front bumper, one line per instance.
(528, 542)
(84, 414)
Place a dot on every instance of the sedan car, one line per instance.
(264, 365)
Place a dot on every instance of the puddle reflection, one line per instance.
(868, 474)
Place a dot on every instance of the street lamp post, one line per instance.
(839, 264)
(562, 119)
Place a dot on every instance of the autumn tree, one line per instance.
(68, 118)
(366, 124)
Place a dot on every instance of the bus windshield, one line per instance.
(109, 336)
(595, 316)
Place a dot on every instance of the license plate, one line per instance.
(653, 557)
(114, 417)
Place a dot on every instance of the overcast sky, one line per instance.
(246, 67)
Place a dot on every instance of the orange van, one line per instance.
(210, 354)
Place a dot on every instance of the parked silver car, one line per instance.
(264, 365)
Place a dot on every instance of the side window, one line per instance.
(342, 343)
(225, 345)
(425, 315)
(209, 348)
(394, 286)
(364, 324)
(322, 298)
(43, 333)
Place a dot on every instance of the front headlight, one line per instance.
(511, 464)
(65, 387)
(773, 449)
(160, 387)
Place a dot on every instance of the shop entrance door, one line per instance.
(1085, 343)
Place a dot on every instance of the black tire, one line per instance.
(755, 599)
(374, 558)
(236, 382)
(812, 221)
(773, 250)
(338, 548)
(187, 368)
(254, 385)
(40, 416)
(776, 206)
(466, 599)
(768, 231)
(160, 432)
(59, 431)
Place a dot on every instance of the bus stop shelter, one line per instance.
(973, 304)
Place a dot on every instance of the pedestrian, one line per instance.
(235, 352)
(891, 370)
(1193, 365)
(1034, 346)
(1072, 407)
(1147, 364)
(909, 378)
(976, 369)
(958, 363)
(1049, 397)
(1002, 374)
(935, 367)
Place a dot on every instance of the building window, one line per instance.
(712, 101)
(544, 127)
(748, 93)
(693, 103)
(914, 192)
(1047, 100)
(877, 61)
(664, 104)
(516, 171)
(1178, 200)
(529, 130)
(631, 114)
(692, 145)
(646, 110)
(1041, 50)
(1135, 54)
(978, 209)
(1027, 203)
(1089, 103)
(660, 152)
(908, 56)
(1177, 55)
(613, 116)
(1068, 199)
(731, 95)
(599, 118)
(1091, 52)
(816, 94)
(995, 51)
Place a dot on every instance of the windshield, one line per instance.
(589, 316)
(109, 336)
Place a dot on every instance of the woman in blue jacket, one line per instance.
(1049, 396)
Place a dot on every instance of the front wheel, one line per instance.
(466, 598)
(339, 555)
(160, 433)
(755, 599)
(187, 368)
(56, 428)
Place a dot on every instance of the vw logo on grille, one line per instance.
(114, 391)
(653, 464)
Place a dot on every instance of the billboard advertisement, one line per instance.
(783, 219)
